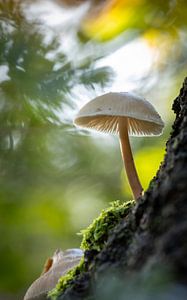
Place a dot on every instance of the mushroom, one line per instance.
(124, 114)
(55, 267)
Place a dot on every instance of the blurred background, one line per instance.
(54, 57)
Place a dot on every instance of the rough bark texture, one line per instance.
(155, 232)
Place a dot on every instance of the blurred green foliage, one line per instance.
(116, 16)
(39, 159)
(55, 179)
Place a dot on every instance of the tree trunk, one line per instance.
(145, 256)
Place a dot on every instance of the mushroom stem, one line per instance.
(128, 159)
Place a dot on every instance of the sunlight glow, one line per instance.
(4, 73)
(52, 14)
(130, 63)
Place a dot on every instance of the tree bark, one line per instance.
(151, 242)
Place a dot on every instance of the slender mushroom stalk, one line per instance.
(128, 159)
(123, 114)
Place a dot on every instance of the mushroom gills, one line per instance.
(109, 124)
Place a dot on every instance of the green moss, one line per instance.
(94, 238)
(96, 235)
(66, 280)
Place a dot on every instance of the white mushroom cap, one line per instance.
(104, 113)
(63, 261)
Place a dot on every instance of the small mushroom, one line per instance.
(55, 267)
(124, 114)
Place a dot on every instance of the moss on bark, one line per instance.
(94, 239)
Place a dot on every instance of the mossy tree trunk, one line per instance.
(145, 256)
